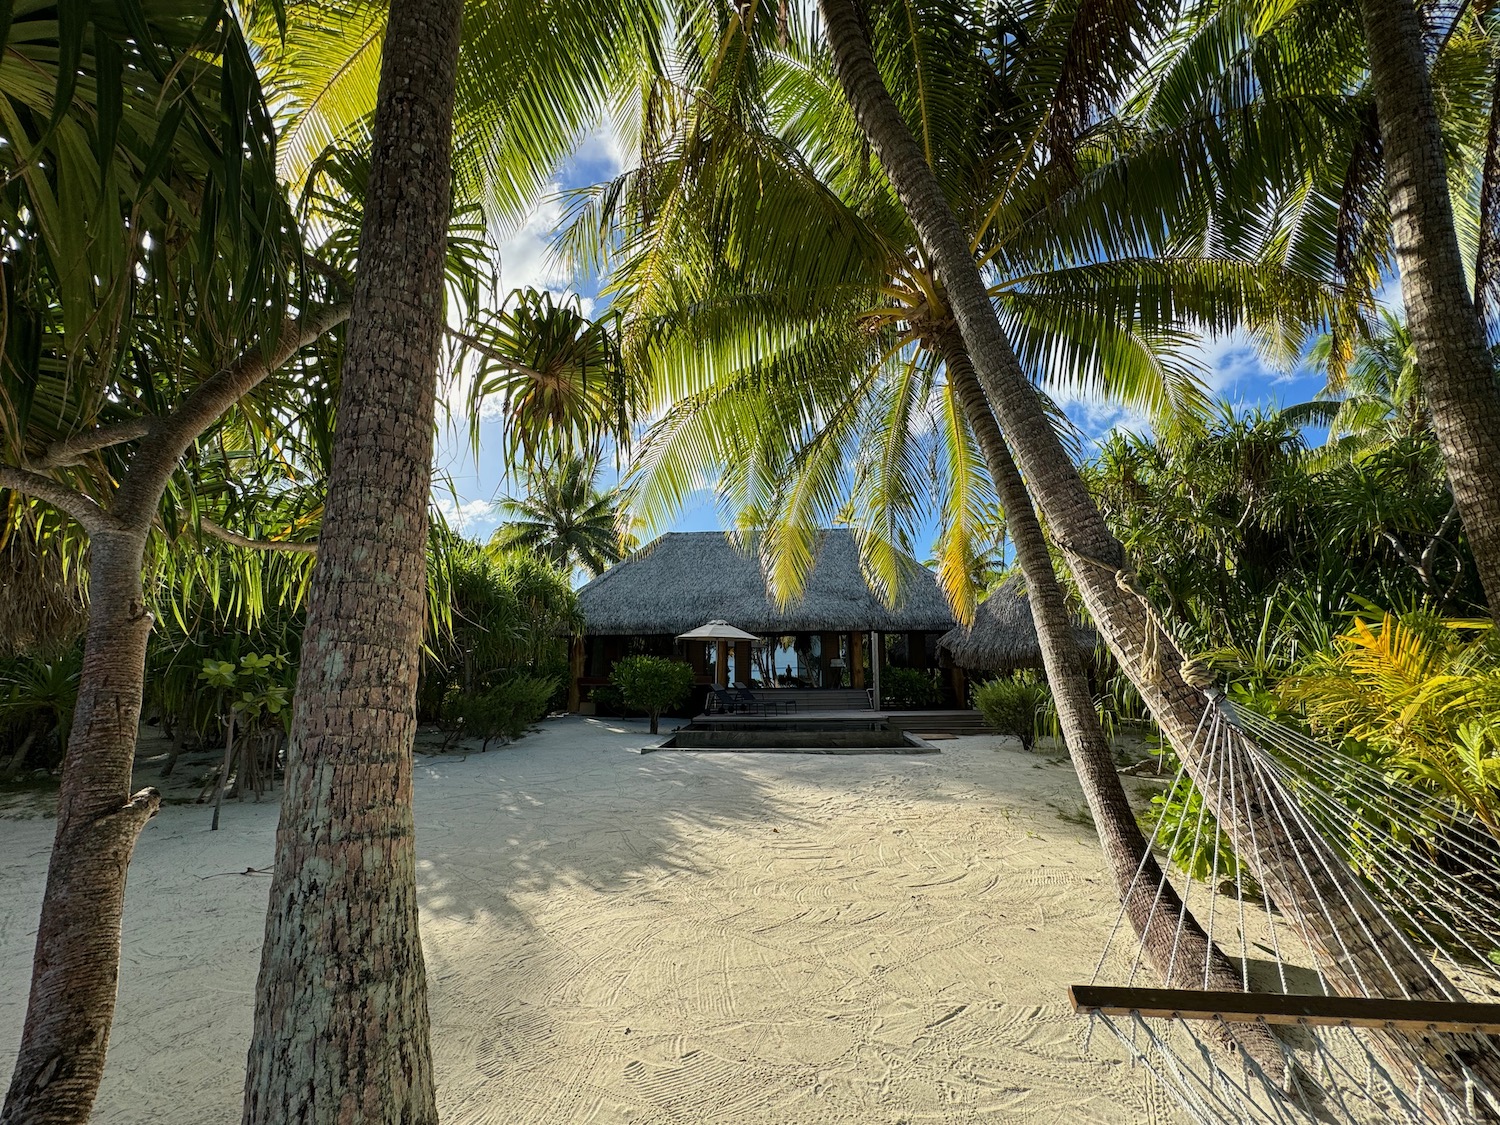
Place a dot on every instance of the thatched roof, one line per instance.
(683, 579)
(1003, 635)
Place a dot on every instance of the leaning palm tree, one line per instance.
(1095, 556)
(565, 519)
(826, 342)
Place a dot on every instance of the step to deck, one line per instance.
(956, 723)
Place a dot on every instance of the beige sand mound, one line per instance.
(663, 938)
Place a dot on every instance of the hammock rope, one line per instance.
(1341, 821)
(1438, 905)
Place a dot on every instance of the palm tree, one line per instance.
(851, 350)
(341, 1024)
(122, 349)
(1095, 556)
(1402, 155)
(1447, 326)
(1376, 401)
(565, 519)
(533, 81)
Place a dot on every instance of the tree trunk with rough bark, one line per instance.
(1354, 941)
(1175, 944)
(76, 966)
(341, 1024)
(1458, 373)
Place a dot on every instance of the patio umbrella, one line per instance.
(717, 631)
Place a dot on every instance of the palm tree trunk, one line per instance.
(341, 1024)
(74, 972)
(1458, 373)
(1352, 938)
(1174, 942)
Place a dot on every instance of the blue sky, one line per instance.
(471, 480)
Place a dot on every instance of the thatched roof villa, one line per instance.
(1003, 637)
(682, 580)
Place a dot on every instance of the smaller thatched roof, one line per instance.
(1003, 636)
(683, 579)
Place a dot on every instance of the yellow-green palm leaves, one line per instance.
(1423, 695)
(533, 79)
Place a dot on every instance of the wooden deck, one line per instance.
(924, 723)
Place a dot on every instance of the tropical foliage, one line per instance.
(1251, 546)
(504, 709)
(909, 688)
(181, 192)
(506, 617)
(1014, 706)
(1420, 696)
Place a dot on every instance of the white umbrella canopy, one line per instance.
(717, 631)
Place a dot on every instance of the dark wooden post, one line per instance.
(742, 662)
(575, 673)
(857, 659)
(721, 663)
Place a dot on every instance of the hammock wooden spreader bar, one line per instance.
(1284, 1008)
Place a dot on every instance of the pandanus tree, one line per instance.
(152, 283)
(1095, 557)
(793, 328)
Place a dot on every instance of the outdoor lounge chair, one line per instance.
(745, 702)
(730, 701)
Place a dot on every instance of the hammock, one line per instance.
(1363, 920)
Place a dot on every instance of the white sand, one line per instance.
(671, 937)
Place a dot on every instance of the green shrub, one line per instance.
(1014, 706)
(1191, 836)
(502, 711)
(608, 700)
(652, 684)
(909, 688)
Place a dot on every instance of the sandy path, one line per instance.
(663, 938)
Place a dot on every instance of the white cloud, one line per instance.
(1231, 367)
(526, 257)
(603, 154)
(472, 518)
(1389, 296)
